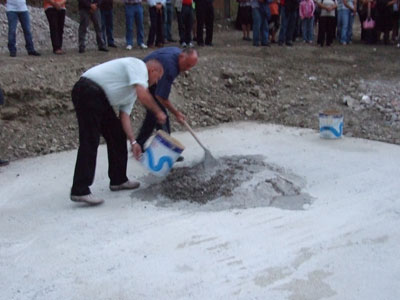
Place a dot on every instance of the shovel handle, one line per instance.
(193, 134)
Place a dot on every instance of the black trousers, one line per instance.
(187, 21)
(56, 20)
(96, 117)
(326, 30)
(205, 17)
(150, 122)
(156, 27)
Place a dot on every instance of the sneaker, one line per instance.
(34, 53)
(191, 45)
(88, 199)
(183, 45)
(128, 185)
(104, 49)
(13, 54)
(4, 163)
(129, 47)
(112, 46)
(143, 46)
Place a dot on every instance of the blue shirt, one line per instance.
(169, 59)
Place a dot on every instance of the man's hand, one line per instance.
(180, 117)
(161, 117)
(93, 7)
(137, 151)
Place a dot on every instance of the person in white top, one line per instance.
(115, 84)
(17, 10)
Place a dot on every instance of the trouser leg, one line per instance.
(111, 129)
(89, 102)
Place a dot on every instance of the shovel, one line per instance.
(209, 160)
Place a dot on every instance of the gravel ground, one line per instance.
(233, 81)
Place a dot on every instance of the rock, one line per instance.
(10, 113)
(366, 100)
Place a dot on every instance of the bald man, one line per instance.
(174, 61)
(115, 84)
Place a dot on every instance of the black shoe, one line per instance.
(34, 53)
(266, 45)
(180, 158)
(112, 46)
(280, 44)
(13, 54)
(172, 40)
(4, 163)
(104, 49)
(81, 50)
(209, 44)
(289, 44)
(200, 44)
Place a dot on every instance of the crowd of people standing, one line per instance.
(193, 16)
(334, 19)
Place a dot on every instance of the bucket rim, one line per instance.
(171, 140)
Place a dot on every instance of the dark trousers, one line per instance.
(84, 16)
(187, 21)
(96, 117)
(156, 27)
(107, 26)
(326, 30)
(56, 18)
(180, 26)
(205, 17)
(150, 122)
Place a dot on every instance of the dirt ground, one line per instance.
(233, 81)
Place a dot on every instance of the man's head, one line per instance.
(155, 71)
(187, 59)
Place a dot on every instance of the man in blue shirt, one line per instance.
(174, 60)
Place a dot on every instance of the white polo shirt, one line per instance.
(117, 78)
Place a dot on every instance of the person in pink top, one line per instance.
(55, 13)
(306, 11)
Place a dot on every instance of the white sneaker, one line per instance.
(128, 185)
(143, 46)
(190, 45)
(129, 47)
(88, 199)
(398, 45)
(183, 45)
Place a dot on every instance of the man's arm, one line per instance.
(167, 104)
(147, 100)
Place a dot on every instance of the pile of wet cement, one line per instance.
(235, 181)
(202, 183)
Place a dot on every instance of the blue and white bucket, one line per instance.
(161, 154)
(330, 124)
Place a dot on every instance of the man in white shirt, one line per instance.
(115, 84)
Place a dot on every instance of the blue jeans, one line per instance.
(134, 13)
(168, 15)
(23, 17)
(307, 28)
(288, 19)
(343, 25)
(260, 25)
(107, 26)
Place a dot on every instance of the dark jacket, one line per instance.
(106, 4)
(85, 4)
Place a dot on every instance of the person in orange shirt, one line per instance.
(55, 13)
